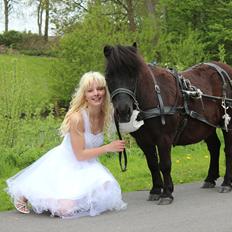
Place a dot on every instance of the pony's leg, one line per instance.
(165, 166)
(153, 164)
(213, 144)
(226, 184)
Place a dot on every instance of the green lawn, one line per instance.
(35, 70)
(189, 163)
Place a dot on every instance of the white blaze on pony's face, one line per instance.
(95, 94)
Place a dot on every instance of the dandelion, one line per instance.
(206, 156)
(177, 161)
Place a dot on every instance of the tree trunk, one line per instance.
(131, 17)
(46, 20)
(40, 17)
(6, 13)
(150, 8)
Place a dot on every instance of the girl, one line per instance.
(69, 181)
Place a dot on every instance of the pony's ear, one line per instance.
(134, 45)
(107, 50)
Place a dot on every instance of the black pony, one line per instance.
(177, 109)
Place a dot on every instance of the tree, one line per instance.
(42, 14)
(82, 49)
(124, 10)
(65, 14)
(40, 10)
(46, 27)
(209, 18)
(8, 7)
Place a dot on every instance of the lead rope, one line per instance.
(123, 168)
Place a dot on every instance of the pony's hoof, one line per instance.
(165, 201)
(153, 197)
(224, 189)
(207, 185)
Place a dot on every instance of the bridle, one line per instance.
(143, 114)
(161, 110)
(132, 94)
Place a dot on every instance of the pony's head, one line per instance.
(122, 72)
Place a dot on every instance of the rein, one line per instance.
(123, 167)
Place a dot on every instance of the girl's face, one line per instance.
(95, 95)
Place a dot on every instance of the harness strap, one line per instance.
(180, 129)
(180, 84)
(227, 100)
(195, 115)
(160, 100)
(155, 112)
(221, 73)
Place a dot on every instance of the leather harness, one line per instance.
(187, 90)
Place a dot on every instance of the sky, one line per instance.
(23, 19)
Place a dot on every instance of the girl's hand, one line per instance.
(117, 145)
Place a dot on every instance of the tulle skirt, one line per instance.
(66, 187)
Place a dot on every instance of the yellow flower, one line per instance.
(177, 161)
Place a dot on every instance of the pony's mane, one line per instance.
(124, 59)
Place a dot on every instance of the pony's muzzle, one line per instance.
(123, 114)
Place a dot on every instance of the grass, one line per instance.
(37, 72)
(189, 163)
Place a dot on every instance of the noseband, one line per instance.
(132, 94)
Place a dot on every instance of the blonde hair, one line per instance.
(78, 101)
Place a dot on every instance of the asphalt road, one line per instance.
(193, 210)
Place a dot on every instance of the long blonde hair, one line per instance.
(78, 101)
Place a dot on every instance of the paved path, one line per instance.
(193, 210)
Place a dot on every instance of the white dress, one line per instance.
(66, 187)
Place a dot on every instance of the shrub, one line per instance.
(11, 38)
(33, 44)
(28, 43)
